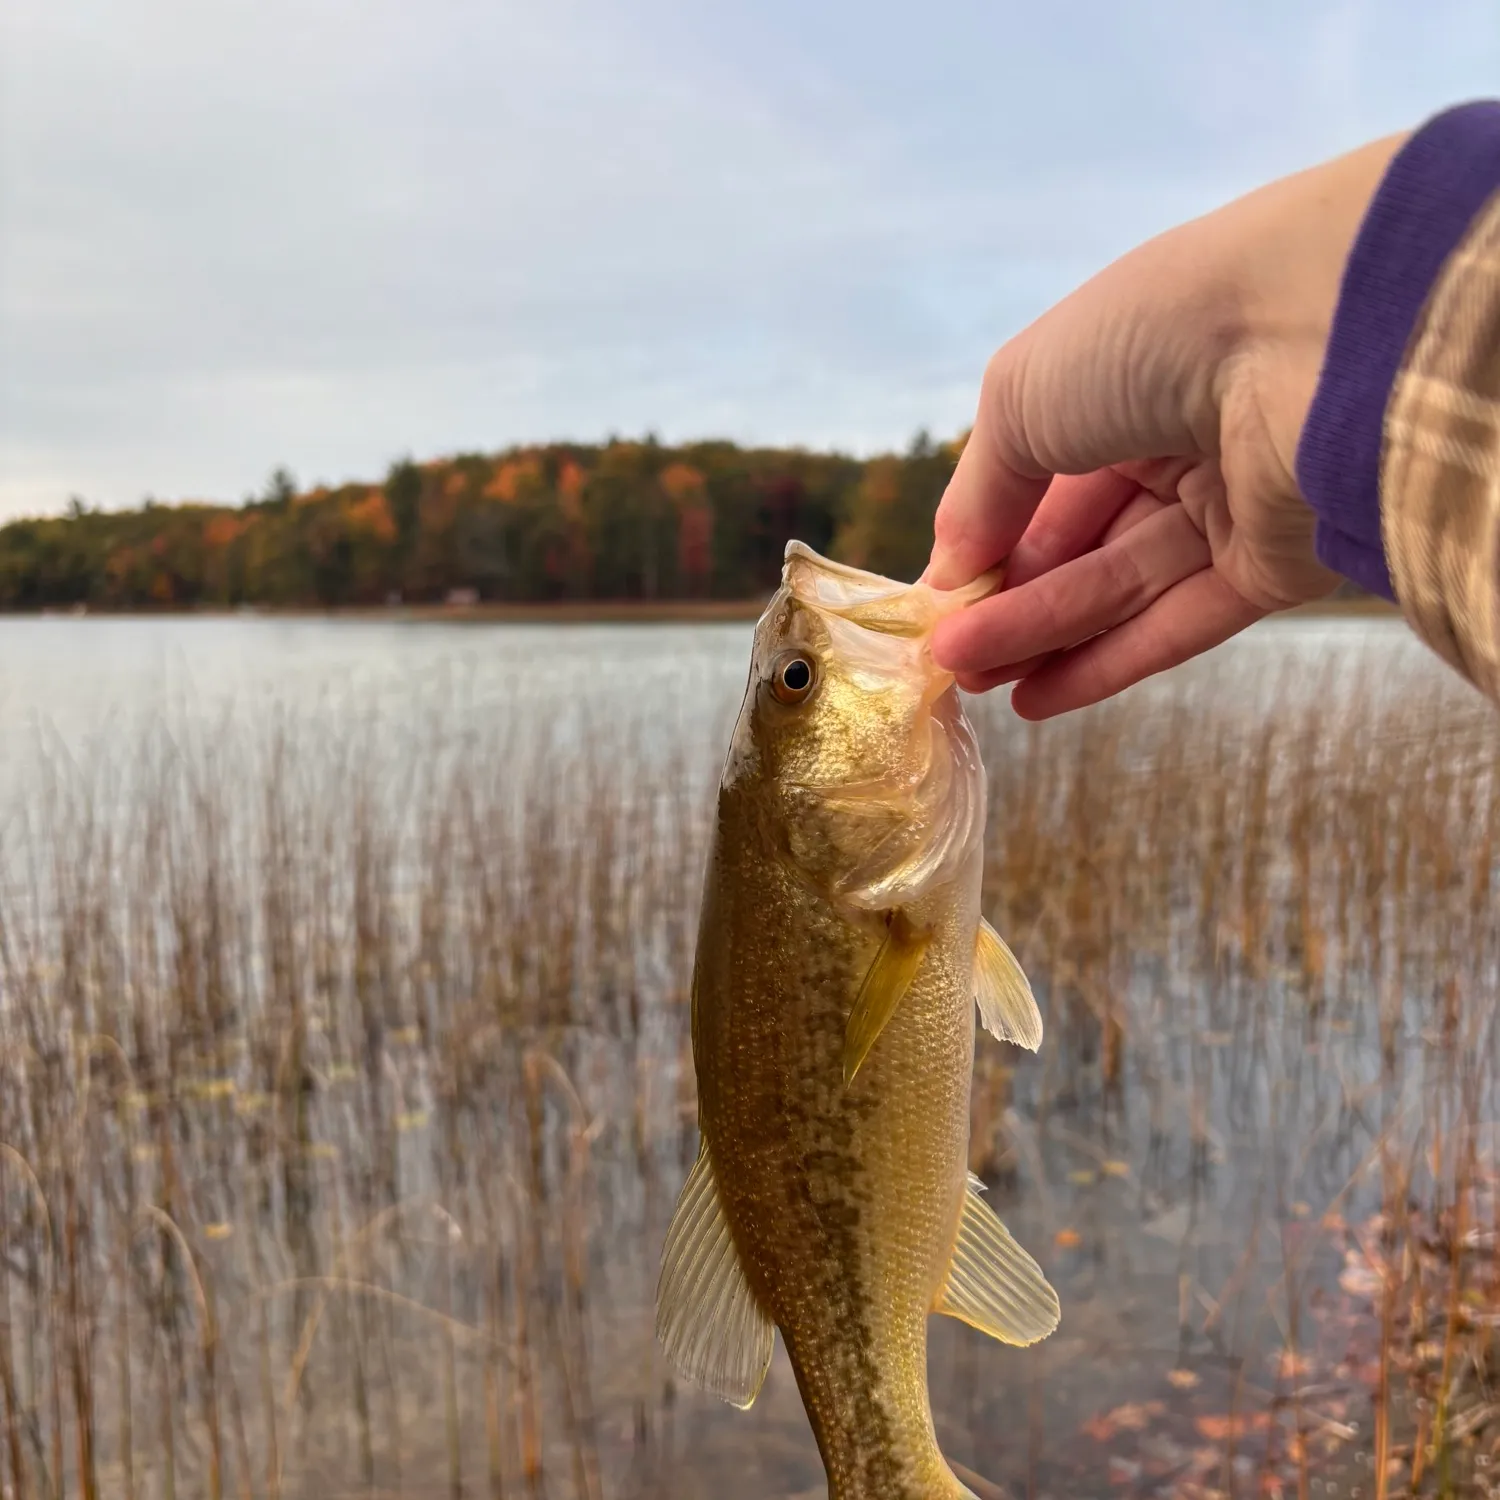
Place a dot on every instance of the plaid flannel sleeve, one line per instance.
(1400, 456)
(1440, 469)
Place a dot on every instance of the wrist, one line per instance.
(1422, 205)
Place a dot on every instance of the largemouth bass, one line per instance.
(840, 955)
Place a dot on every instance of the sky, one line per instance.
(327, 233)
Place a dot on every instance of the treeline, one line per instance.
(623, 520)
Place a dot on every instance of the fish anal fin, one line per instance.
(976, 1486)
(993, 1284)
(1007, 1007)
(888, 979)
(711, 1329)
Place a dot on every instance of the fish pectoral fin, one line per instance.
(993, 1284)
(1006, 1005)
(711, 1329)
(888, 979)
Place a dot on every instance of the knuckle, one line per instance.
(1002, 407)
(1048, 629)
(1124, 583)
(947, 524)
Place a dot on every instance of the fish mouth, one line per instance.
(836, 582)
(883, 605)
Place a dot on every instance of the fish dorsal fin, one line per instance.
(889, 978)
(710, 1326)
(993, 1284)
(1006, 1005)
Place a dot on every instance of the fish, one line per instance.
(841, 952)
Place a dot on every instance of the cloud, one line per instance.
(328, 231)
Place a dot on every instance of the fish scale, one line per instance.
(840, 954)
(828, 1189)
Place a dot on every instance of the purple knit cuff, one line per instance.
(1432, 190)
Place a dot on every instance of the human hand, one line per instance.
(1134, 452)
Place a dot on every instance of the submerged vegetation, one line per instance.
(345, 1092)
(621, 521)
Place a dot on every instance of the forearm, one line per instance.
(1400, 455)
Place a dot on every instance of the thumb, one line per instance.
(994, 490)
(1120, 370)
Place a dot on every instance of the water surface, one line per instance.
(1240, 891)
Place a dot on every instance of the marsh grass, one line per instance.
(345, 1091)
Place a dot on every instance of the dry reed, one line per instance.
(345, 1091)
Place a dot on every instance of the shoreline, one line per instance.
(568, 612)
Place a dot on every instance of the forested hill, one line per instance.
(626, 520)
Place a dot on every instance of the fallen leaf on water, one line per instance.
(1184, 1380)
(1232, 1426)
(1360, 1280)
(1133, 1416)
(1067, 1239)
(1115, 1168)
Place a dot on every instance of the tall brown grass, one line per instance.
(345, 1084)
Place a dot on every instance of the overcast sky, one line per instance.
(327, 232)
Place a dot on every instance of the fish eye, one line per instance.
(793, 679)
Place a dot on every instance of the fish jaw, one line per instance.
(839, 586)
(884, 607)
(877, 785)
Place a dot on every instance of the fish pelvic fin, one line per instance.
(974, 1486)
(1007, 1007)
(710, 1327)
(993, 1284)
(888, 979)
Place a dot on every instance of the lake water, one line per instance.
(1230, 1063)
(83, 679)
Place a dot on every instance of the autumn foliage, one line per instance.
(623, 520)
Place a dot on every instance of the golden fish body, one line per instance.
(840, 954)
